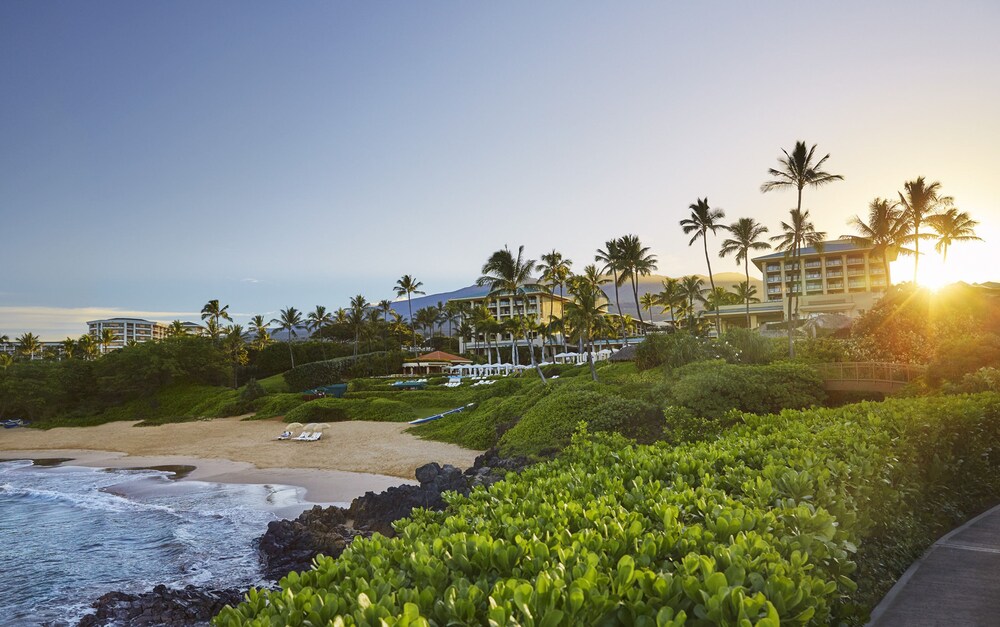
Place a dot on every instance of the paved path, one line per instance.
(956, 583)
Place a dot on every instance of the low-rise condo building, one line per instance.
(127, 330)
(841, 277)
(539, 306)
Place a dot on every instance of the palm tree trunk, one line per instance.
(635, 294)
(746, 268)
(711, 280)
(413, 327)
(590, 360)
(916, 251)
(290, 353)
(618, 304)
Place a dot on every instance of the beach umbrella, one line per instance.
(294, 425)
(321, 427)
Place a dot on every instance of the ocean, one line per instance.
(70, 534)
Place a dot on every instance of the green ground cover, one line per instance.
(800, 518)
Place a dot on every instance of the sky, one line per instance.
(154, 156)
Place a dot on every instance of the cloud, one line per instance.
(56, 323)
(250, 280)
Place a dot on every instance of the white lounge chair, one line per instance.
(305, 436)
(285, 435)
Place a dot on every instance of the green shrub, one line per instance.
(306, 376)
(802, 518)
(712, 388)
(982, 380)
(276, 405)
(250, 393)
(962, 356)
(679, 348)
(750, 347)
(340, 409)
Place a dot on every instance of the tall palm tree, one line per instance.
(262, 336)
(509, 276)
(385, 306)
(555, 271)
(612, 260)
(288, 320)
(176, 329)
(88, 346)
(719, 296)
(356, 316)
(704, 219)
(919, 202)
(68, 347)
(671, 295)
(106, 339)
(585, 313)
(886, 232)
(213, 311)
(798, 170)
(799, 232)
(408, 285)
(649, 301)
(692, 286)
(636, 262)
(318, 318)
(952, 226)
(236, 349)
(6, 361)
(746, 292)
(29, 344)
(745, 236)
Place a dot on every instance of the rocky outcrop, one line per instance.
(289, 545)
(160, 606)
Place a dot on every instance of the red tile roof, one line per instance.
(443, 356)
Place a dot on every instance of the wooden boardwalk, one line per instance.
(955, 583)
(853, 376)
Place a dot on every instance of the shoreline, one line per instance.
(352, 457)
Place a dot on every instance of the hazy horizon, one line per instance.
(159, 156)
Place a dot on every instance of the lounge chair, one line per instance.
(305, 436)
(285, 435)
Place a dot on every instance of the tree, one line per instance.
(585, 314)
(6, 361)
(176, 329)
(746, 293)
(509, 276)
(88, 346)
(29, 344)
(106, 339)
(318, 318)
(745, 236)
(408, 285)
(356, 317)
(212, 311)
(919, 202)
(636, 262)
(952, 226)
(289, 319)
(671, 296)
(886, 232)
(613, 261)
(262, 336)
(797, 233)
(68, 347)
(236, 350)
(719, 296)
(692, 287)
(649, 301)
(555, 271)
(704, 219)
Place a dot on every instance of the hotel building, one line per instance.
(127, 330)
(538, 305)
(844, 278)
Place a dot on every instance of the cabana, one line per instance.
(437, 362)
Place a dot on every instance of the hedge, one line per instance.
(339, 409)
(802, 518)
(317, 373)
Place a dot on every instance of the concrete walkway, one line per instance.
(956, 582)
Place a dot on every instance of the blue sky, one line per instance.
(158, 155)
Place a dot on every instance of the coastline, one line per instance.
(351, 459)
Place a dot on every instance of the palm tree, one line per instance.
(704, 219)
(236, 349)
(671, 295)
(798, 170)
(919, 203)
(106, 339)
(649, 301)
(509, 276)
(6, 361)
(692, 287)
(636, 262)
(262, 336)
(481, 319)
(613, 262)
(585, 313)
(213, 311)
(745, 236)
(555, 271)
(952, 226)
(318, 318)
(357, 318)
(29, 344)
(886, 232)
(799, 232)
(176, 329)
(68, 347)
(288, 320)
(88, 346)
(408, 285)
(746, 293)
(4, 338)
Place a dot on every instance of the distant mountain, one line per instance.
(652, 283)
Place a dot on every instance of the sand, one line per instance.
(350, 459)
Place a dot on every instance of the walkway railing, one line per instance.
(875, 376)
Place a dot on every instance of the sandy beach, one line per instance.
(350, 459)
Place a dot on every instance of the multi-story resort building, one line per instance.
(842, 278)
(127, 330)
(538, 305)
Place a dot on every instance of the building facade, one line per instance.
(127, 330)
(842, 278)
(538, 306)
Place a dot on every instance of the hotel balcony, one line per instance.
(813, 264)
(791, 266)
(774, 267)
(877, 270)
(813, 275)
(774, 279)
(855, 261)
(774, 290)
(855, 273)
(834, 274)
(857, 285)
(834, 263)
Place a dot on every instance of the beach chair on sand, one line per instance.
(285, 435)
